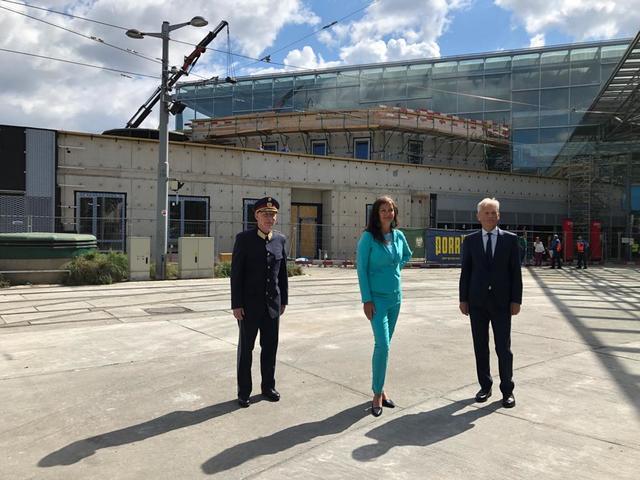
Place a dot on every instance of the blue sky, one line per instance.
(43, 92)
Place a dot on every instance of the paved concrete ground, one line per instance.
(137, 381)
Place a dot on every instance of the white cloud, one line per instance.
(43, 93)
(397, 30)
(580, 19)
(537, 40)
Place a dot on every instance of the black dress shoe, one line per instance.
(375, 411)
(483, 395)
(387, 402)
(509, 401)
(271, 394)
(244, 402)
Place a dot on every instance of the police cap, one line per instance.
(266, 204)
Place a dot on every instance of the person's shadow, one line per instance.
(284, 439)
(421, 429)
(76, 451)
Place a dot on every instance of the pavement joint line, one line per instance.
(609, 354)
(577, 342)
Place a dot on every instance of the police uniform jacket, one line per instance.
(259, 281)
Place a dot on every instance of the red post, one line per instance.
(595, 245)
(567, 239)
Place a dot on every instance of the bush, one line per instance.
(222, 270)
(4, 283)
(293, 270)
(97, 269)
(171, 272)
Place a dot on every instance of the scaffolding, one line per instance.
(381, 118)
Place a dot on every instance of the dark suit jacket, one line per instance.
(502, 276)
(259, 279)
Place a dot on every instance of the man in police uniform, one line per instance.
(259, 295)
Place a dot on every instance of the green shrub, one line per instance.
(96, 268)
(4, 283)
(293, 270)
(222, 270)
(171, 271)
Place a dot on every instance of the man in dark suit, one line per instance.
(491, 293)
(259, 295)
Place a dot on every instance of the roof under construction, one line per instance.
(397, 119)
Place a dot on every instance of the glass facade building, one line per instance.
(541, 94)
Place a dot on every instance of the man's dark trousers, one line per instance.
(249, 328)
(500, 319)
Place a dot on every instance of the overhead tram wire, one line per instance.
(109, 69)
(28, 5)
(88, 37)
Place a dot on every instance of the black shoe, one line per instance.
(387, 402)
(271, 394)
(483, 395)
(244, 402)
(375, 411)
(509, 401)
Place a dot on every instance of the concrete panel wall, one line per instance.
(228, 175)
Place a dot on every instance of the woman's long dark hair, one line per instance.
(374, 227)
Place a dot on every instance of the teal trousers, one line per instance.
(383, 324)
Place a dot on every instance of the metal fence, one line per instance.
(310, 240)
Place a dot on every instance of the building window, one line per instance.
(415, 152)
(270, 146)
(248, 213)
(188, 217)
(368, 209)
(361, 148)
(319, 147)
(102, 215)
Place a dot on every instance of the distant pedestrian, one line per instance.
(582, 249)
(555, 251)
(522, 246)
(538, 252)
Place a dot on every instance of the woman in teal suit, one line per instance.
(382, 251)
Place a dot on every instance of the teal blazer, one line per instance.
(378, 268)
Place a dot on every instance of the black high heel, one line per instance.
(375, 411)
(387, 402)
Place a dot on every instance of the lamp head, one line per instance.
(198, 21)
(133, 33)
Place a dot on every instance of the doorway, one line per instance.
(306, 229)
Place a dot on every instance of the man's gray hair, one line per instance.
(488, 201)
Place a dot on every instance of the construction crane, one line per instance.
(189, 62)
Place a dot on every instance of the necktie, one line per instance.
(488, 253)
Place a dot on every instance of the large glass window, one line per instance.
(445, 95)
(283, 93)
(371, 85)
(248, 213)
(222, 103)
(102, 215)
(526, 71)
(263, 94)
(497, 64)
(498, 87)
(580, 100)
(585, 66)
(301, 97)
(415, 151)
(242, 95)
(348, 89)
(319, 147)
(418, 81)
(325, 91)
(554, 107)
(525, 108)
(470, 90)
(554, 69)
(394, 83)
(188, 216)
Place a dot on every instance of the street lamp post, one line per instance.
(162, 201)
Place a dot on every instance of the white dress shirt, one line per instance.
(494, 240)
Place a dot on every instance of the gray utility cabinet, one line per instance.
(195, 257)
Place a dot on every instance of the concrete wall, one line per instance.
(385, 145)
(228, 175)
